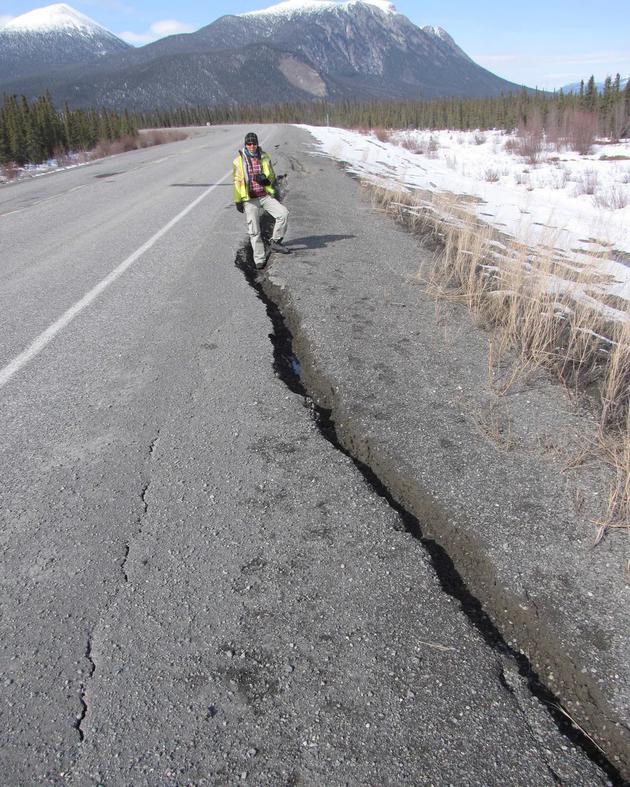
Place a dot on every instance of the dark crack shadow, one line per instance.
(316, 241)
(287, 367)
(78, 725)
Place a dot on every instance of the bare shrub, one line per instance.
(160, 136)
(581, 130)
(451, 162)
(491, 175)
(102, 149)
(618, 121)
(530, 143)
(479, 138)
(553, 127)
(587, 183)
(432, 147)
(614, 198)
(122, 144)
(521, 178)
(10, 170)
(412, 143)
(382, 134)
(106, 147)
(559, 178)
(145, 139)
(62, 157)
(511, 145)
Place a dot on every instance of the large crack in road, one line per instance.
(287, 366)
(92, 635)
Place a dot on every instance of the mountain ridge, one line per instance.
(310, 49)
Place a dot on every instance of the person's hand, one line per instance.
(240, 207)
(262, 180)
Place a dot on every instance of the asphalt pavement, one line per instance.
(197, 587)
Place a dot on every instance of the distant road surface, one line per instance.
(196, 587)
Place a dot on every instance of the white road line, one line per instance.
(14, 366)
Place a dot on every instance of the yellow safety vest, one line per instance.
(240, 176)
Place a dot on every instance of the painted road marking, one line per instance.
(14, 366)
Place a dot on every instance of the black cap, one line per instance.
(251, 138)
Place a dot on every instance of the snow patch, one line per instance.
(576, 206)
(438, 32)
(292, 7)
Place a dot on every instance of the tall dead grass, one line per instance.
(540, 307)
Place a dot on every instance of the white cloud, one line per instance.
(159, 29)
(4, 20)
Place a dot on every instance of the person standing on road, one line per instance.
(255, 192)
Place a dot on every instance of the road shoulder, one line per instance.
(493, 479)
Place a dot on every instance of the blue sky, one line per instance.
(545, 44)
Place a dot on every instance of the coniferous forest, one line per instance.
(31, 133)
(35, 132)
(609, 111)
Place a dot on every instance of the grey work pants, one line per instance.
(253, 211)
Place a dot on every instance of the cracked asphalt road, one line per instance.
(197, 588)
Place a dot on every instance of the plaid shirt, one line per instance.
(254, 167)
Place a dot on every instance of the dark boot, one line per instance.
(277, 245)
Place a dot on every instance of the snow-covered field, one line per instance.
(578, 205)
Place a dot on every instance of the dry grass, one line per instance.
(615, 448)
(495, 426)
(540, 310)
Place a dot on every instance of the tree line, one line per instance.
(33, 132)
(609, 111)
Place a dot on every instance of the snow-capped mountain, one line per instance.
(56, 35)
(295, 50)
(291, 7)
(359, 49)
